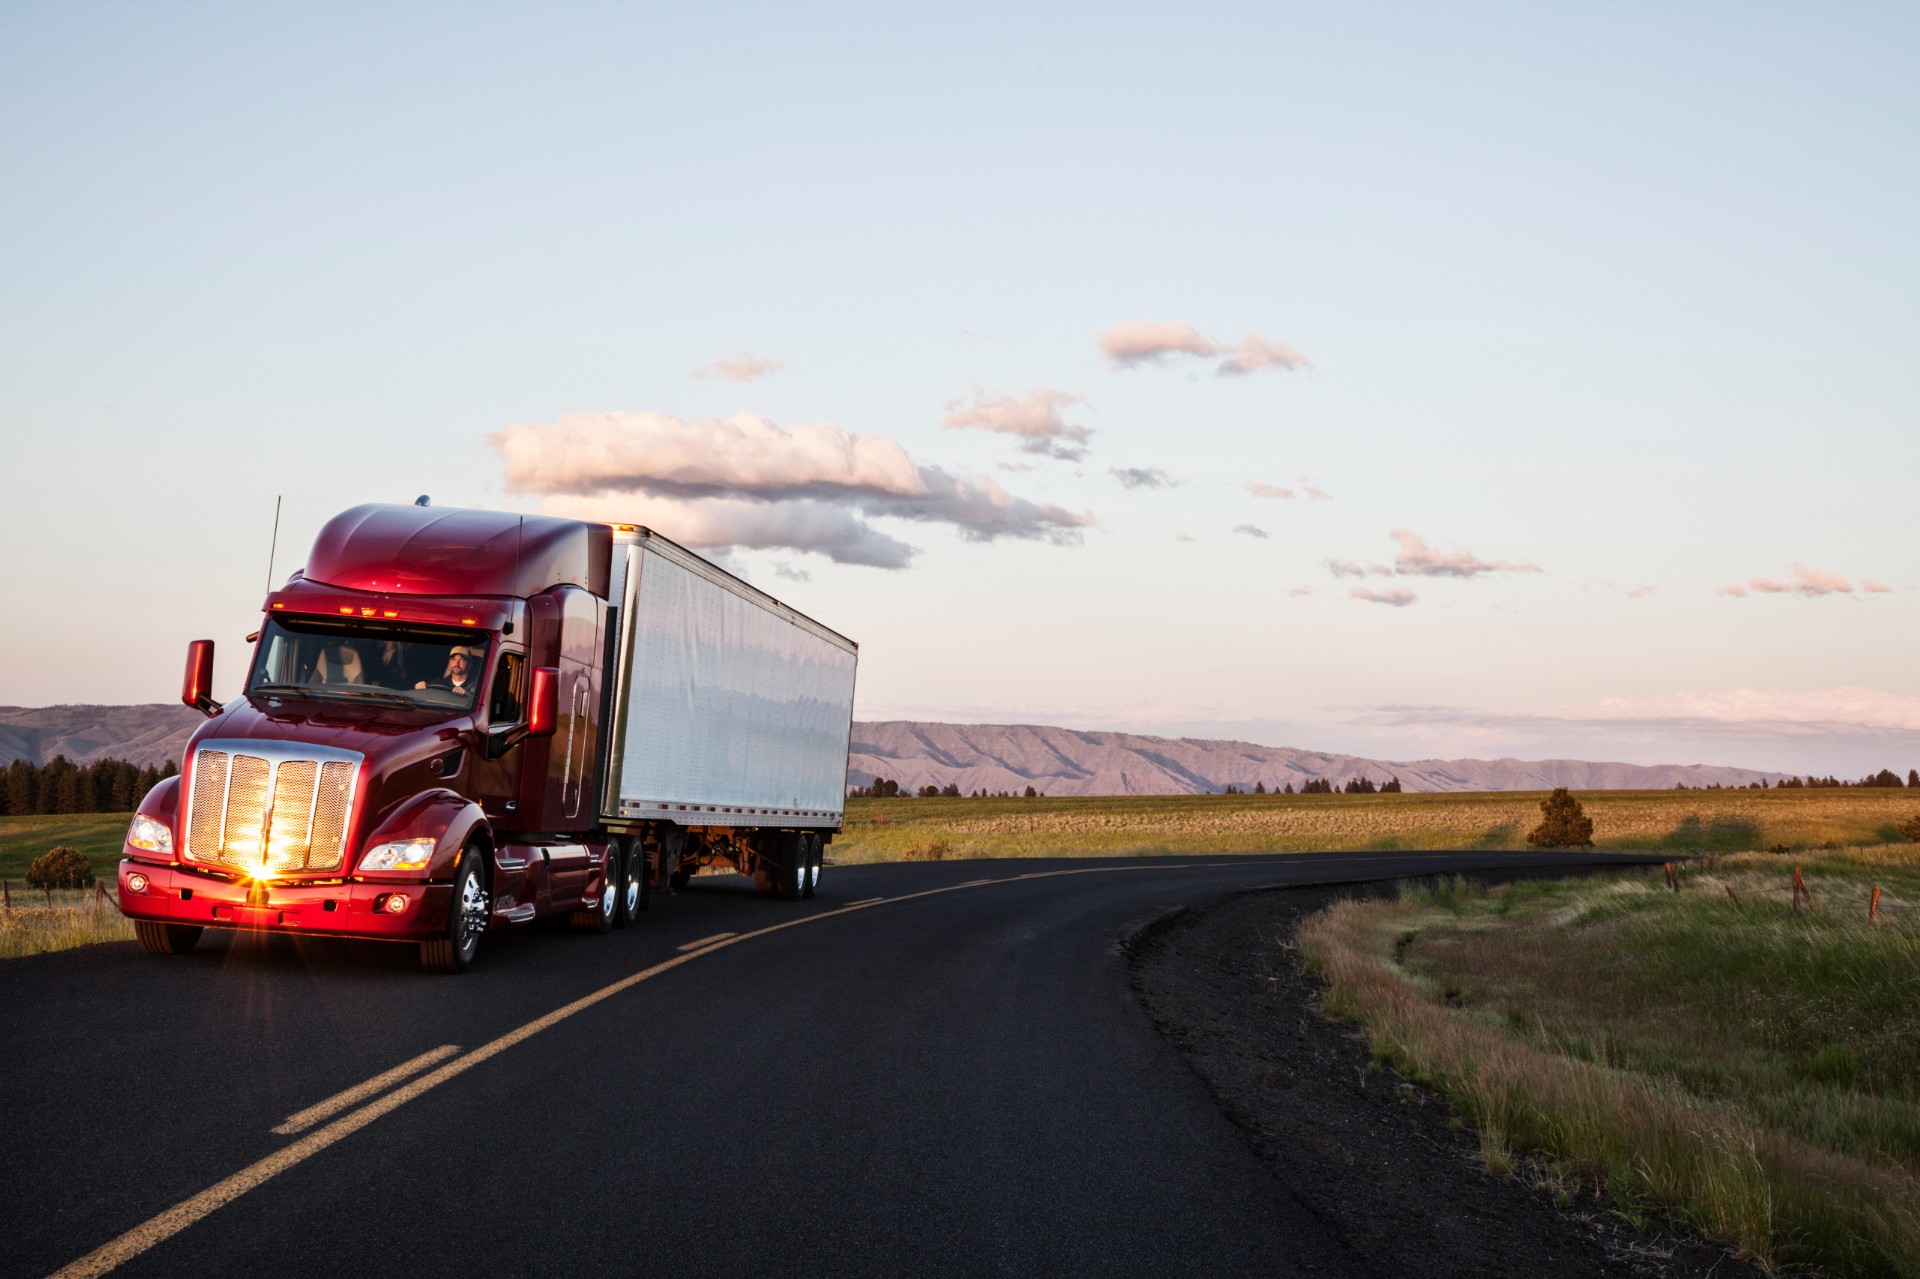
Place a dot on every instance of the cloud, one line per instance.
(1353, 568)
(1640, 592)
(1872, 587)
(1140, 342)
(1315, 494)
(745, 481)
(1394, 596)
(1417, 559)
(783, 569)
(1253, 353)
(1274, 491)
(1150, 342)
(1036, 418)
(1299, 592)
(1810, 583)
(744, 366)
(1185, 537)
(1251, 531)
(1136, 477)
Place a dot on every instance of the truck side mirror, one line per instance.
(196, 689)
(543, 702)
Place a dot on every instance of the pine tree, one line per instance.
(1563, 823)
(1391, 787)
(1259, 788)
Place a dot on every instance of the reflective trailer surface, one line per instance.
(730, 703)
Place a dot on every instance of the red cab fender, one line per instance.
(450, 820)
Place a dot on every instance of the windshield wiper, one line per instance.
(306, 690)
(280, 688)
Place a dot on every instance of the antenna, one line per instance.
(274, 548)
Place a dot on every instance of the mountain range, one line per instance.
(990, 757)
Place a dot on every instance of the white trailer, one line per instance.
(727, 720)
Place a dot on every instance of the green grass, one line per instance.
(1753, 1067)
(98, 835)
(36, 925)
(1679, 821)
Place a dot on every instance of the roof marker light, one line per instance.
(278, 604)
(389, 612)
(366, 612)
(469, 621)
(347, 609)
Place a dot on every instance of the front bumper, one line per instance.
(177, 896)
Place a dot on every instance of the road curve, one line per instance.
(951, 1079)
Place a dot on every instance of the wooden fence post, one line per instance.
(1800, 890)
(1730, 893)
(1873, 906)
(1673, 880)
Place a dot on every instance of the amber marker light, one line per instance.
(367, 612)
(390, 612)
(469, 621)
(278, 604)
(346, 610)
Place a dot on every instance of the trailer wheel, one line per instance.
(597, 916)
(787, 868)
(158, 938)
(815, 855)
(633, 895)
(468, 915)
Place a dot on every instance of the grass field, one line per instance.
(98, 835)
(1714, 1051)
(1682, 821)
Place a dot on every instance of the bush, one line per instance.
(60, 867)
(1563, 823)
(937, 849)
(1910, 829)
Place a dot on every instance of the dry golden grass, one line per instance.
(39, 922)
(1705, 821)
(1749, 1067)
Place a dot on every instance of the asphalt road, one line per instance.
(954, 1079)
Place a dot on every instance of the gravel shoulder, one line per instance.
(1370, 1155)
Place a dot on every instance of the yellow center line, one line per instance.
(706, 941)
(155, 1230)
(302, 1120)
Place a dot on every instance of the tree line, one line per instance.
(1885, 779)
(887, 788)
(62, 786)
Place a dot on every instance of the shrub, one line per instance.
(1563, 823)
(1911, 829)
(937, 849)
(61, 867)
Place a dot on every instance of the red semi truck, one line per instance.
(458, 720)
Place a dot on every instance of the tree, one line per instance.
(1032, 793)
(1913, 779)
(1259, 788)
(1563, 823)
(1911, 829)
(950, 791)
(1289, 789)
(1391, 786)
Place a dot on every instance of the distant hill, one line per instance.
(996, 757)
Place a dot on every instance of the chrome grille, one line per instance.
(267, 808)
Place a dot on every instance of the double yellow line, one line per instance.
(158, 1229)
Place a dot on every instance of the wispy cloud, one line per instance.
(745, 481)
(1393, 596)
(783, 569)
(1640, 592)
(1185, 537)
(1140, 342)
(1274, 491)
(1036, 418)
(1809, 583)
(1299, 592)
(1419, 559)
(742, 366)
(1251, 530)
(1872, 587)
(1315, 494)
(1139, 477)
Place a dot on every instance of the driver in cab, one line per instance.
(461, 676)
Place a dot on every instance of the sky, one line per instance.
(1428, 380)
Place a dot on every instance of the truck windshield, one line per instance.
(378, 661)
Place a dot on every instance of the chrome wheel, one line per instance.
(476, 908)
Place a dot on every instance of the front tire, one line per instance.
(157, 938)
(468, 915)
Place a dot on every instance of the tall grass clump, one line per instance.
(38, 923)
(1747, 1067)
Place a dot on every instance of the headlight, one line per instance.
(400, 854)
(154, 836)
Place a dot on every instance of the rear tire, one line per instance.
(816, 854)
(633, 893)
(597, 916)
(468, 914)
(157, 938)
(786, 869)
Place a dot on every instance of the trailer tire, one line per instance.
(633, 891)
(786, 869)
(597, 916)
(157, 938)
(469, 912)
(816, 854)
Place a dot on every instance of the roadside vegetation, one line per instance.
(1738, 1045)
(1691, 821)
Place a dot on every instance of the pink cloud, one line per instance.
(1809, 583)
(1155, 341)
(744, 366)
(1417, 559)
(1393, 596)
(1639, 592)
(1253, 353)
(1271, 490)
(1037, 418)
(1872, 587)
